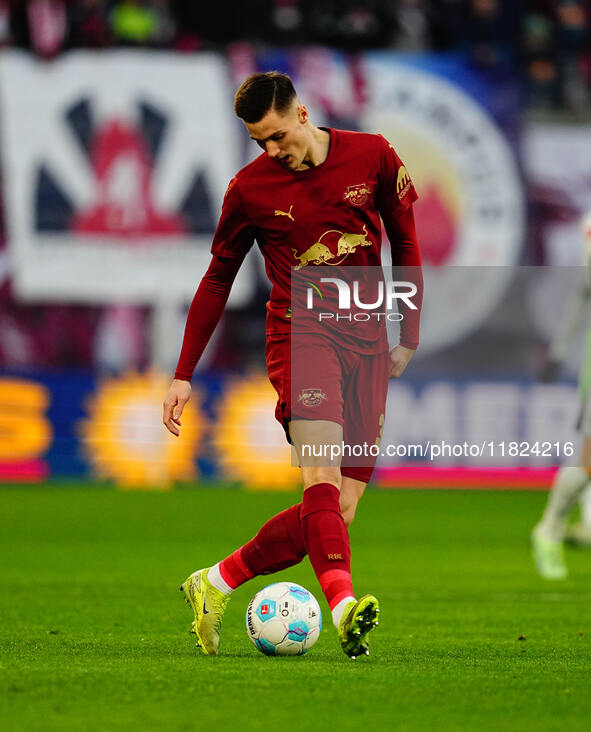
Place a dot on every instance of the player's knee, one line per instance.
(321, 474)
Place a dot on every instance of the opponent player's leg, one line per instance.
(579, 534)
(548, 535)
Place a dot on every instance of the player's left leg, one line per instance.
(362, 616)
(323, 528)
(325, 532)
(363, 424)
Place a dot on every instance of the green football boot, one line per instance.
(208, 604)
(358, 619)
(548, 556)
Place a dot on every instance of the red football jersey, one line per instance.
(327, 215)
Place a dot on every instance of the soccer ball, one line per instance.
(283, 619)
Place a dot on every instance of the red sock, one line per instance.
(278, 545)
(327, 541)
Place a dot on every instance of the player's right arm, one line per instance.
(204, 314)
(231, 243)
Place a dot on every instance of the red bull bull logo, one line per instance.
(319, 253)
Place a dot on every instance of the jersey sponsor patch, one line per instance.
(403, 183)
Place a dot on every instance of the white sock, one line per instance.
(339, 609)
(568, 486)
(215, 578)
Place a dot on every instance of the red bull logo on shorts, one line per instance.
(311, 397)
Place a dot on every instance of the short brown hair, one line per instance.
(262, 92)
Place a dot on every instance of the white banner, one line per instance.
(115, 166)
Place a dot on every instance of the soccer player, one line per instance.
(309, 185)
(570, 482)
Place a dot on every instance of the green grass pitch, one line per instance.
(94, 633)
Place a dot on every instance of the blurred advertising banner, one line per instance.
(486, 411)
(114, 169)
(81, 425)
(438, 432)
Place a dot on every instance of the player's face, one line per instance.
(283, 136)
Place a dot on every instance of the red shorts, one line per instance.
(320, 380)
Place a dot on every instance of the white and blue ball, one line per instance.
(283, 619)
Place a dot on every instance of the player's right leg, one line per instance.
(277, 545)
(208, 605)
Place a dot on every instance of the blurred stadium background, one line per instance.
(117, 142)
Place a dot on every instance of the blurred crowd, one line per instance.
(545, 43)
(548, 41)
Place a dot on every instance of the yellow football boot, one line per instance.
(358, 619)
(208, 604)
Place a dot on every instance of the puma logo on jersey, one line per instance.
(285, 213)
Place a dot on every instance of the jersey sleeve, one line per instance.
(234, 235)
(396, 190)
(205, 312)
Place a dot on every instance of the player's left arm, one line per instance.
(406, 267)
(395, 198)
